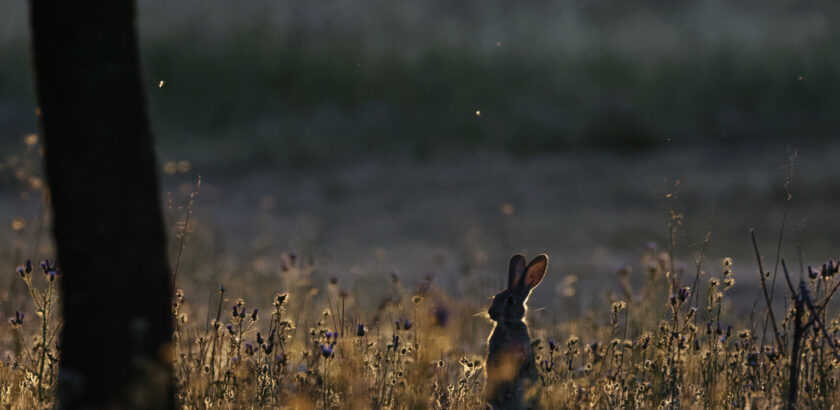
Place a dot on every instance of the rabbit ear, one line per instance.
(517, 269)
(535, 272)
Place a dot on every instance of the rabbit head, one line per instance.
(509, 305)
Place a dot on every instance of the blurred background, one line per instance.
(438, 137)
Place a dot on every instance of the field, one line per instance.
(383, 306)
(344, 183)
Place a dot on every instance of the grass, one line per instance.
(661, 336)
(657, 343)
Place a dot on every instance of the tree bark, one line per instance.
(100, 166)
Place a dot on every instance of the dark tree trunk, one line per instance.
(108, 227)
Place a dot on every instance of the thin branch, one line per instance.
(764, 289)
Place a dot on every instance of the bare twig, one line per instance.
(764, 289)
(803, 292)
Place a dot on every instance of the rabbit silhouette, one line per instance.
(510, 357)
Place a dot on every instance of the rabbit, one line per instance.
(510, 357)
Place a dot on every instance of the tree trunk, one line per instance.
(100, 165)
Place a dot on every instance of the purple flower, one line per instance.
(254, 314)
(229, 328)
(235, 310)
(683, 294)
(17, 320)
(20, 271)
(551, 344)
(441, 315)
(249, 348)
(327, 351)
(407, 324)
(259, 338)
(360, 330)
(28, 266)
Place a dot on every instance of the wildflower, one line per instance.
(407, 324)
(673, 299)
(546, 365)
(235, 310)
(619, 306)
(727, 262)
(17, 320)
(229, 328)
(551, 345)
(28, 266)
(259, 338)
(811, 273)
(280, 299)
(20, 271)
(728, 282)
(268, 347)
(441, 315)
(752, 359)
(696, 344)
(360, 330)
(395, 341)
(254, 314)
(683, 294)
(249, 348)
(327, 351)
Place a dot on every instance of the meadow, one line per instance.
(671, 326)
